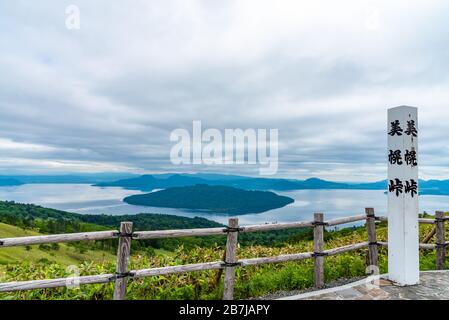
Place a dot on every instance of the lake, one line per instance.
(86, 199)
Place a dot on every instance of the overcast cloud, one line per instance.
(107, 96)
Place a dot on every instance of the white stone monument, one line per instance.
(403, 241)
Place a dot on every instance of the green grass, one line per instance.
(64, 254)
(250, 281)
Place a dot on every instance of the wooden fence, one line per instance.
(231, 261)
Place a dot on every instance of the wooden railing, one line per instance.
(231, 261)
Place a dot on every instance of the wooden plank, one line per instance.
(372, 239)
(57, 238)
(105, 278)
(160, 234)
(430, 235)
(347, 248)
(301, 256)
(53, 283)
(123, 253)
(344, 220)
(424, 246)
(301, 224)
(318, 247)
(276, 259)
(420, 220)
(276, 226)
(177, 269)
(426, 221)
(441, 251)
(231, 257)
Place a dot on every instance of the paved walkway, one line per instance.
(434, 285)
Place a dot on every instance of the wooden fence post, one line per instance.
(123, 253)
(441, 251)
(230, 259)
(318, 247)
(372, 239)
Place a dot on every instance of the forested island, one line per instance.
(216, 199)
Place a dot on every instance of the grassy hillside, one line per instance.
(250, 281)
(46, 262)
(51, 221)
(61, 254)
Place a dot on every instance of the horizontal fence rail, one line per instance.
(162, 234)
(58, 238)
(125, 235)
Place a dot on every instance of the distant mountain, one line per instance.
(5, 182)
(82, 178)
(167, 180)
(151, 182)
(378, 185)
(216, 199)
(434, 187)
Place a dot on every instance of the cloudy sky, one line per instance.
(106, 97)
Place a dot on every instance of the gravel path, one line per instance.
(283, 293)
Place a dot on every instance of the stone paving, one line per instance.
(434, 285)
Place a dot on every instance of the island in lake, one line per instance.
(216, 199)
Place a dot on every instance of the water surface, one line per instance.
(86, 199)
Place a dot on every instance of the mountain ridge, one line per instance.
(149, 182)
(152, 182)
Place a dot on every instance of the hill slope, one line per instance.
(250, 281)
(62, 253)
